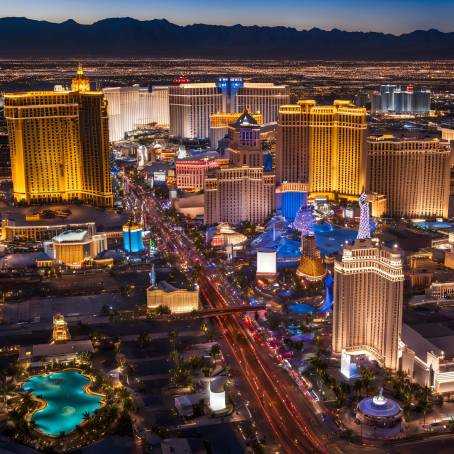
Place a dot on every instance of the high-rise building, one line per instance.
(219, 125)
(245, 142)
(192, 104)
(323, 146)
(264, 98)
(242, 191)
(59, 143)
(190, 172)
(5, 161)
(368, 300)
(401, 100)
(293, 142)
(237, 194)
(413, 175)
(190, 107)
(132, 107)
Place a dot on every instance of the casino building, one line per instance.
(59, 142)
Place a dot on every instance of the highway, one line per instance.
(291, 418)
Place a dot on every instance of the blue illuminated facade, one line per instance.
(229, 86)
(291, 202)
(132, 238)
(267, 162)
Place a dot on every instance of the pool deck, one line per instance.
(43, 403)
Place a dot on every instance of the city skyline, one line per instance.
(350, 15)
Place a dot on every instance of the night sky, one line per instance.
(391, 16)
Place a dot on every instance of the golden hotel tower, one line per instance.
(60, 145)
(324, 146)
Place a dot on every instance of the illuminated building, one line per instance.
(5, 161)
(266, 262)
(80, 82)
(264, 98)
(177, 300)
(403, 99)
(190, 107)
(217, 393)
(428, 357)
(323, 146)
(219, 124)
(60, 146)
(130, 108)
(74, 247)
(192, 104)
(368, 300)
(293, 196)
(245, 143)
(60, 331)
(243, 191)
(132, 237)
(39, 355)
(379, 411)
(190, 172)
(10, 231)
(311, 266)
(225, 236)
(293, 142)
(413, 175)
(237, 194)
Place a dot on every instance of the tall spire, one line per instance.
(80, 70)
(80, 82)
(364, 218)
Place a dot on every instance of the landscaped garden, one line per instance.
(63, 408)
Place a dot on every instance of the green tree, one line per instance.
(215, 351)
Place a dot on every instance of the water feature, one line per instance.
(426, 225)
(66, 400)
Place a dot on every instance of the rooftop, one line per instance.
(45, 350)
(71, 236)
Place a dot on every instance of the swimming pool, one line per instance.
(66, 399)
(426, 225)
(301, 309)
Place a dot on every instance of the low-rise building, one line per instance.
(427, 356)
(176, 299)
(35, 356)
(74, 247)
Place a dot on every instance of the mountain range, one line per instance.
(126, 37)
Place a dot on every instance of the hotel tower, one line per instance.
(192, 104)
(59, 144)
(324, 146)
(242, 191)
(413, 175)
(368, 297)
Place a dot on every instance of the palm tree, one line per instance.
(173, 335)
(86, 416)
(127, 369)
(215, 351)
(358, 386)
(6, 387)
(424, 402)
(367, 377)
(117, 344)
(144, 339)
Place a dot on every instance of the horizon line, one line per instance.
(163, 19)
